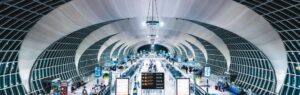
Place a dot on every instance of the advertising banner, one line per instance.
(97, 71)
(207, 71)
(122, 86)
(183, 86)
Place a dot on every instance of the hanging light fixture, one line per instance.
(152, 22)
(152, 16)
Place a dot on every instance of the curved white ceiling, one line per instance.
(226, 14)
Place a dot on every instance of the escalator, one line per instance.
(197, 90)
(131, 71)
(106, 91)
(127, 74)
(175, 73)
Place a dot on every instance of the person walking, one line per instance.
(84, 92)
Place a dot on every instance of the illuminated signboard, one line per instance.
(179, 59)
(183, 86)
(97, 71)
(152, 80)
(122, 86)
(114, 59)
(207, 71)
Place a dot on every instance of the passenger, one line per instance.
(186, 70)
(102, 86)
(94, 92)
(137, 84)
(84, 92)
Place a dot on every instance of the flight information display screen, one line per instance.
(153, 81)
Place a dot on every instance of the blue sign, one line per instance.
(125, 59)
(114, 59)
(179, 59)
(97, 71)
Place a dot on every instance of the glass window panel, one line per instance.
(292, 80)
(14, 69)
(15, 90)
(45, 72)
(290, 91)
(34, 74)
(18, 79)
(1, 82)
(13, 79)
(2, 92)
(7, 81)
(8, 68)
(8, 92)
(35, 85)
(2, 68)
(298, 81)
(21, 90)
(297, 91)
(39, 84)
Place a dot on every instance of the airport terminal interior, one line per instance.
(149, 47)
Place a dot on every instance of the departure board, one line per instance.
(153, 81)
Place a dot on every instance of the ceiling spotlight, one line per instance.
(298, 68)
(144, 24)
(161, 24)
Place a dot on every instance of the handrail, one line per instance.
(197, 89)
(202, 91)
(106, 91)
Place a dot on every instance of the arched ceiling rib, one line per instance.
(188, 47)
(120, 53)
(117, 47)
(181, 48)
(113, 40)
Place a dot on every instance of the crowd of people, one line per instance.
(152, 67)
(221, 86)
(96, 90)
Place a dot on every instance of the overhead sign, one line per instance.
(152, 80)
(114, 59)
(182, 86)
(207, 71)
(97, 71)
(179, 59)
(122, 86)
(125, 59)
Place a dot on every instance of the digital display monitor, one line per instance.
(152, 80)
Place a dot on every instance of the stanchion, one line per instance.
(207, 86)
